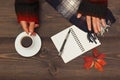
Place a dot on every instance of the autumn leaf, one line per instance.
(95, 52)
(88, 62)
(101, 56)
(98, 66)
(88, 65)
(88, 59)
(101, 62)
(97, 60)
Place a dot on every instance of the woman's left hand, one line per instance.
(93, 22)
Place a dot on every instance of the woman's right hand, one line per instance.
(29, 27)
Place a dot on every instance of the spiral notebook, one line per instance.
(73, 42)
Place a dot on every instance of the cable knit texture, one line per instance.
(27, 10)
(93, 7)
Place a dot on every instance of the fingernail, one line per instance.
(30, 34)
(34, 34)
(89, 29)
(96, 32)
(78, 16)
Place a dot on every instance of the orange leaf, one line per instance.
(101, 62)
(88, 65)
(95, 52)
(88, 59)
(98, 66)
(101, 56)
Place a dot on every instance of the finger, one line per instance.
(103, 22)
(31, 27)
(24, 26)
(98, 24)
(94, 24)
(36, 25)
(34, 33)
(88, 19)
(79, 15)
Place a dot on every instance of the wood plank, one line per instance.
(47, 65)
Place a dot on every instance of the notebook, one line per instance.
(75, 45)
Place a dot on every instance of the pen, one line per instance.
(64, 42)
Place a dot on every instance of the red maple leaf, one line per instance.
(97, 60)
(88, 62)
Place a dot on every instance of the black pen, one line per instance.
(64, 42)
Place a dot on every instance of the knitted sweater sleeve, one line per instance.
(93, 7)
(27, 10)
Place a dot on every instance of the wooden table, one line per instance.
(47, 65)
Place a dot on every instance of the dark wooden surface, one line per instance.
(47, 65)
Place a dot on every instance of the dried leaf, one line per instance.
(101, 62)
(101, 56)
(95, 52)
(88, 65)
(98, 66)
(97, 61)
(88, 59)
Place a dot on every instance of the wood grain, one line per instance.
(47, 65)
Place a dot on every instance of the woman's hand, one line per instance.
(29, 27)
(93, 23)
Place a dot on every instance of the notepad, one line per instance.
(75, 45)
